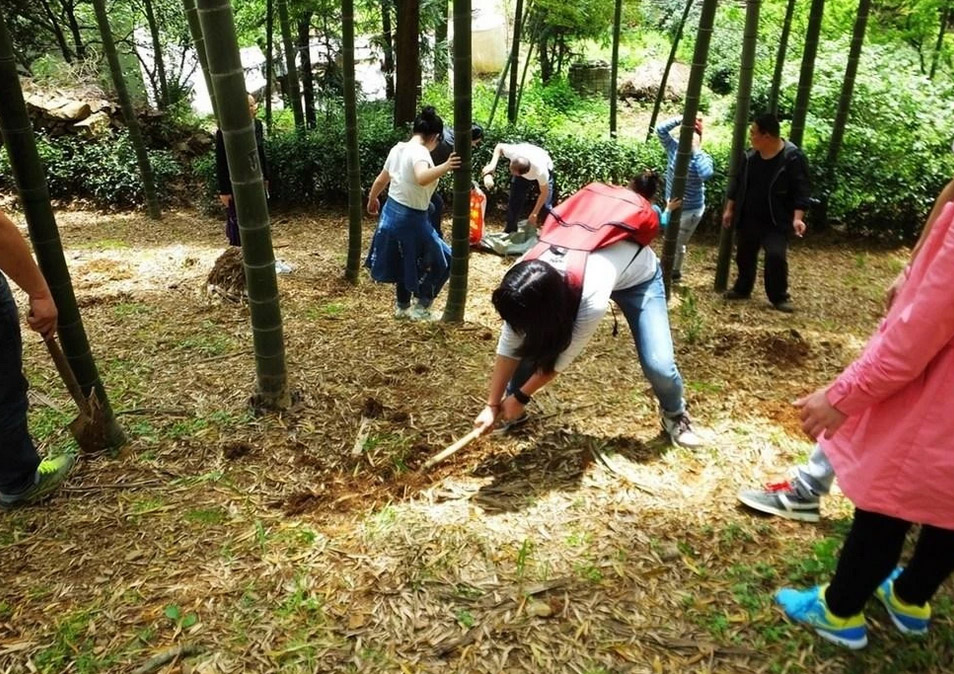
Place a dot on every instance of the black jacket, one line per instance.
(790, 187)
(222, 164)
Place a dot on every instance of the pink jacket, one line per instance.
(895, 452)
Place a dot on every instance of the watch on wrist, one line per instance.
(521, 397)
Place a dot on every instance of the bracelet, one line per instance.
(521, 397)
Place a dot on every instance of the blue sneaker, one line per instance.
(909, 618)
(809, 608)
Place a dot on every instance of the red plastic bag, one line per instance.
(478, 209)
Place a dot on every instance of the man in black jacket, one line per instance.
(766, 202)
(225, 180)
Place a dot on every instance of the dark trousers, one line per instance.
(517, 203)
(18, 457)
(231, 224)
(870, 554)
(435, 212)
(752, 237)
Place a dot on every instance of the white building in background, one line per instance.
(490, 45)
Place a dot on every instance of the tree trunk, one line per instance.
(807, 74)
(269, 64)
(129, 114)
(614, 66)
(848, 84)
(192, 17)
(248, 189)
(291, 76)
(526, 63)
(57, 32)
(780, 57)
(28, 172)
(440, 44)
(387, 35)
(408, 85)
(699, 59)
(463, 109)
(739, 129)
(499, 90)
(163, 101)
(665, 77)
(351, 142)
(69, 8)
(307, 75)
(935, 57)
(514, 62)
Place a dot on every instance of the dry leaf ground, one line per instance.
(581, 543)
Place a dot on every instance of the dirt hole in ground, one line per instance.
(237, 449)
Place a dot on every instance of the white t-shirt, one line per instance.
(400, 166)
(540, 162)
(622, 265)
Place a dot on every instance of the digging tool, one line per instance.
(457, 446)
(89, 428)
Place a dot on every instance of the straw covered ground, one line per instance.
(220, 541)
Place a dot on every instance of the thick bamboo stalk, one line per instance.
(780, 57)
(463, 110)
(294, 92)
(195, 30)
(739, 129)
(248, 190)
(807, 74)
(351, 141)
(848, 84)
(665, 77)
(28, 172)
(129, 113)
(614, 66)
(696, 74)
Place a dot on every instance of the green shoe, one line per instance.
(50, 474)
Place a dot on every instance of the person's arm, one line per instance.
(425, 175)
(260, 142)
(222, 170)
(544, 183)
(802, 190)
(17, 263)
(504, 367)
(376, 188)
(728, 213)
(732, 192)
(663, 132)
(499, 150)
(705, 167)
(905, 346)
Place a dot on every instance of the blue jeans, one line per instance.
(644, 307)
(18, 457)
(516, 204)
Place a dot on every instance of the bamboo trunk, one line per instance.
(238, 131)
(351, 141)
(463, 110)
(28, 172)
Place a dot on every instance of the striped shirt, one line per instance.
(700, 168)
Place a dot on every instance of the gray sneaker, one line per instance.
(783, 499)
(680, 431)
(49, 475)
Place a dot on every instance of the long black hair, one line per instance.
(645, 184)
(537, 302)
(428, 123)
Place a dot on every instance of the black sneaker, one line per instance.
(785, 307)
(734, 295)
(782, 499)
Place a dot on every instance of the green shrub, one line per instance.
(103, 172)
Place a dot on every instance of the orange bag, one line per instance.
(478, 208)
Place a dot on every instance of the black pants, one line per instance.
(751, 237)
(520, 189)
(870, 554)
(18, 457)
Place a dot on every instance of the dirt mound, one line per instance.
(785, 350)
(227, 277)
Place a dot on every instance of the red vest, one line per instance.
(595, 217)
